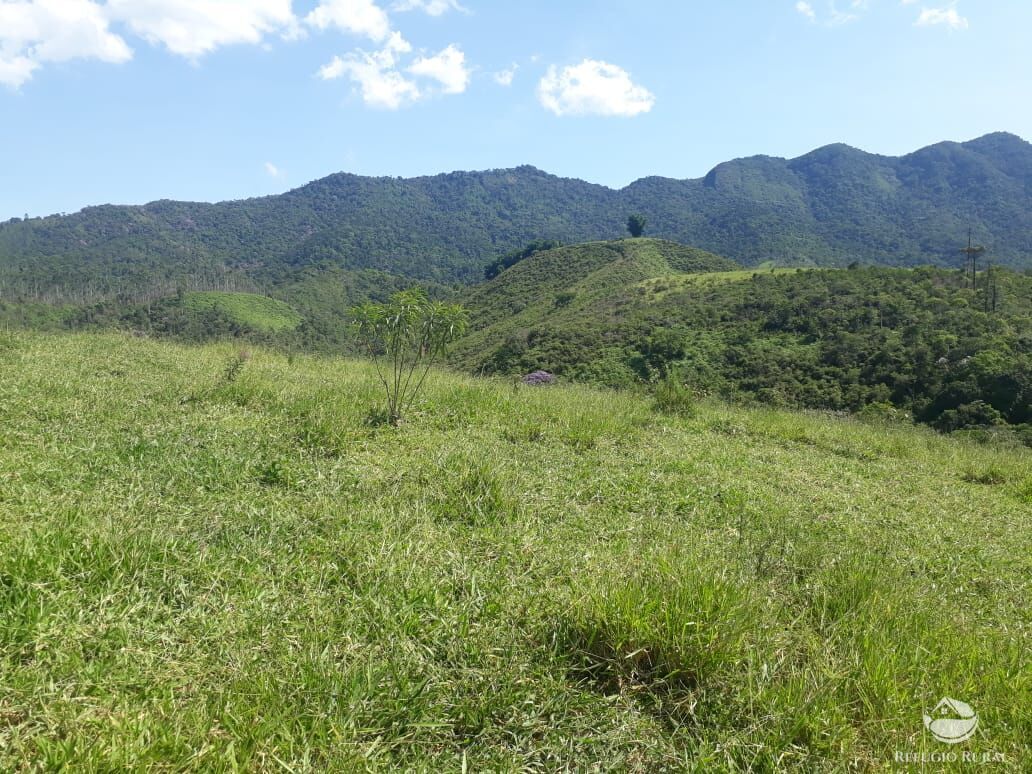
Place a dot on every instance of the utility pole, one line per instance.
(972, 253)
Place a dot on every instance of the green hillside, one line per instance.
(561, 287)
(827, 208)
(922, 341)
(257, 312)
(204, 571)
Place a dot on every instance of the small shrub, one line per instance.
(404, 338)
(672, 396)
(882, 414)
(977, 414)
(236, 365)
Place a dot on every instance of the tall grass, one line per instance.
(208, 574)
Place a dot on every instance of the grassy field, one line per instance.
(213, 562)
(258, 312)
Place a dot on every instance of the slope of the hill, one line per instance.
(211, 569)
(560, 285)
(921, 340)
(829, 207)
(591, 270)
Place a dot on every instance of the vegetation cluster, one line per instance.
(900, 343)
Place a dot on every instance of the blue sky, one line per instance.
(127, 101)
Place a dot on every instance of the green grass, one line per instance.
(656, 288)
(258, 312)
(209, 575)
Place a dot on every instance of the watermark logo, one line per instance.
(952, 721)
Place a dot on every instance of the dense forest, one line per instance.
(830, 207)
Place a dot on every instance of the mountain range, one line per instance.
(834, 206)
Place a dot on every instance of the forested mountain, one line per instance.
(830, 207)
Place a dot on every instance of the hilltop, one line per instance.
(590, 271)
(830, 207)
(559, 288)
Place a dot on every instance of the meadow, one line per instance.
(259, 313)
(214, 560)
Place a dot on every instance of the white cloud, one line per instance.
(16, 69)
(383, 83)
(36, 32)
(41, 31)
(949, 17)
(432, 7)
(272, 169)
(806, 10)
(447, 68)
(507, 76)
(593, 88)
(192, 28)
(357, 17)
(332, 69)
(376, 74)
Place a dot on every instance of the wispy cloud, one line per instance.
(507, 76)
(432, 7)
(948, 17)
(836, 13)
(831, 15)
(272, 170)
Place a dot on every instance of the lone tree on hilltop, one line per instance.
(636, 225)
(405, 337)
